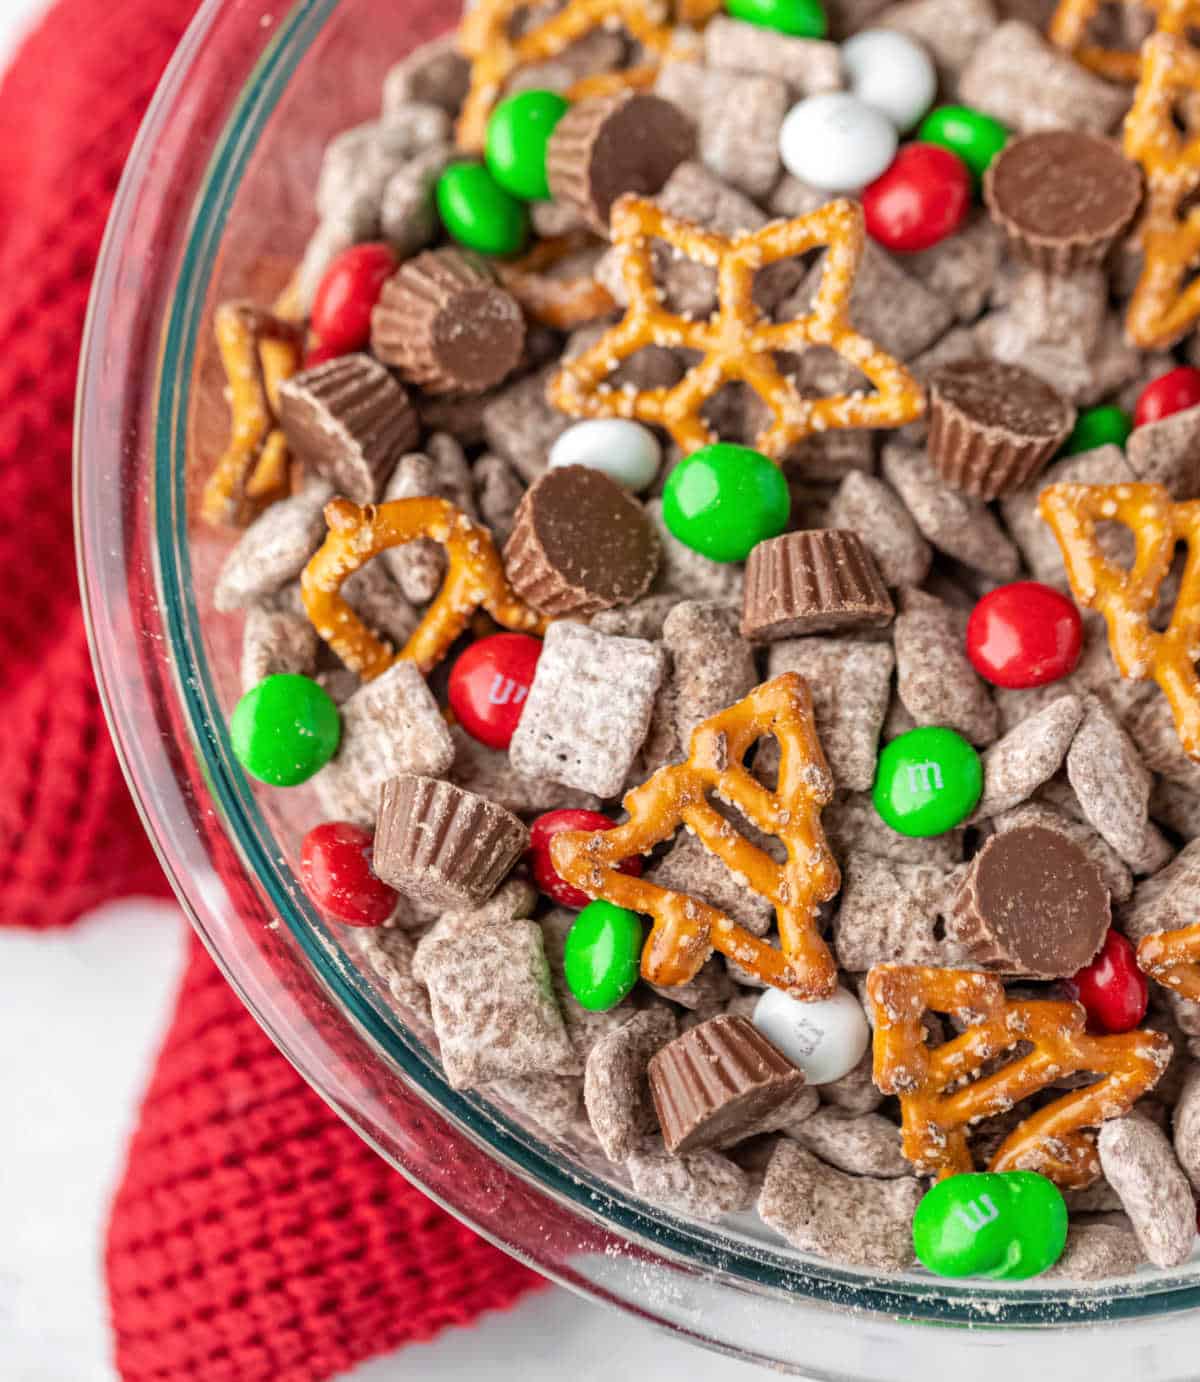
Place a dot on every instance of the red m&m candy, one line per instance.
(489, 684)
(1024, 634)
(1112, 988)
(346, 297)
(543, 830)
(335, 867)
(922, 198)
(1169, 393)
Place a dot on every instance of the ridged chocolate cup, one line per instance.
(444, 845)
(580, 543)
(1062, 197)
(716, 1079)
(992, 427)
(349, 421)
(630, 141)
(446, 325)
(809, 582)
(1031, 904)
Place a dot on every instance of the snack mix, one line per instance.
(717, 522)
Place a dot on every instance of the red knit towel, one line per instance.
(254, 1236)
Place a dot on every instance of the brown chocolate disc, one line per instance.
(580, 543)
(807, 582)
(1032, 903)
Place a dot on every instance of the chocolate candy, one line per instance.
(809, 581)
(920, 200)
(601, 956)
(517, 137)
(976, 138)
(1006, 1225)
(630, 141)
(545, 876)
(928, 781)
(800, 18)
(835, 142)
(489, 683)
(349, 421)
(825, 1039)
(892, 73)
(1063, 197)
(1170, 393)
(341, 310)
(479, 213)
(1106, 425)
(1024, 634)
(1112, 988)
(1032, 903)
(625, 451)
(715, 1079)
(580, 543)
(446, 325)
(335, 865)
(723, 500)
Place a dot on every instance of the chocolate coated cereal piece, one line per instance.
(520, 424)
(1028, 755)
(951, 30)
(852, 823)
(690, 868)
(1139, 1164)
(961, 268)
(552, 1102)
(1112, 868)
(616, 1089)
(704, 995)
(379, 603)
(408, 218)
(1167, 452)
(389, 951)
(499, 492)
(865, 1144)
(516, 897)
(276, 640)
(1176, 807)
(419, 567)
(856, 1220)
(713, 664)
(893, 912)
(642, 619)
(935, 679)
(1097, 1252)
(1062, 309)
(1151, 725)
(876, 513)
(688, 574)
(489, 773)
(806, 582)
(806, 65)
(701, 1185)
(274, 549)
(436, 73)
(1187, 1126)
(584, 1026)
(1167, 901)
(855, 1092)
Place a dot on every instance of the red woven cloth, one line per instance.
(253, 1235)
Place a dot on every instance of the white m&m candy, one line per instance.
(826, 1040)
(625, 451)
(836, 142)
(892, 74)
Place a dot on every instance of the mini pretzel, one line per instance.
(1173, 958)
(686, 930)
(1126, 598)
(1068, 31)
(738, 341)
(563, 303)
(485, 37)
(942, 1090)
(474, 580)
(259, 351)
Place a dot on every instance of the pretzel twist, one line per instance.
(1126, 598)
(686, 930)
(738, 342)
(942, 1090)
(563, 303)
(1069, 31)
(1173, 958)
(474, 580)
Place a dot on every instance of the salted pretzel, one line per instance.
(737, 342)
(1069, 31)
(687, 930)
(943, 1089)
(474, 580)
(486, 38)
(1126, 598)
(1173, 958)
(563, 303)
(259, 350)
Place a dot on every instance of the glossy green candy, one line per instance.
(724, 500)
(602, 955)
(517, 136)
(927, 781)
(285, 729)
(479, 213)
(976, 138)
(800, 18)
(1006, 1225)
(1099, 427)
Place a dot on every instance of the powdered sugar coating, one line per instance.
(1141, 1167)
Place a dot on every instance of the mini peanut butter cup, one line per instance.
(1033, 904)
(580, 543)
(439, 843)
(809, 582)
(630, 141)
(992, 427)
(1062, 197)
(350, 422)
(715, 1079)
(446, 325)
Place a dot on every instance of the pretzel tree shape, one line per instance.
(1126, 598)
(1173, 959)
(687, 930)
(738, 342)
(942, 1089)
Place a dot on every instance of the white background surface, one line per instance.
(81, 1013)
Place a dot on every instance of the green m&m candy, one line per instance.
(800, 18)
(976, 138)
(479, 213)
(724, 500)
(602, 954)
(1095, 427)
(927, 781)
(285, 729)
(517, 136)
(1006, 1225)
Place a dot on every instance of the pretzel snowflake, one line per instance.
(1173, 958)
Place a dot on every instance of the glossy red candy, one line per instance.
(1024, 634)
(489, 684)
(1169, 393)
(335, 867)
(543, 830)
(318, 353)
(341, 313)
(922, 198)
(1112, 988)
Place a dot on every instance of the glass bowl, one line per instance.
(216, 203)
